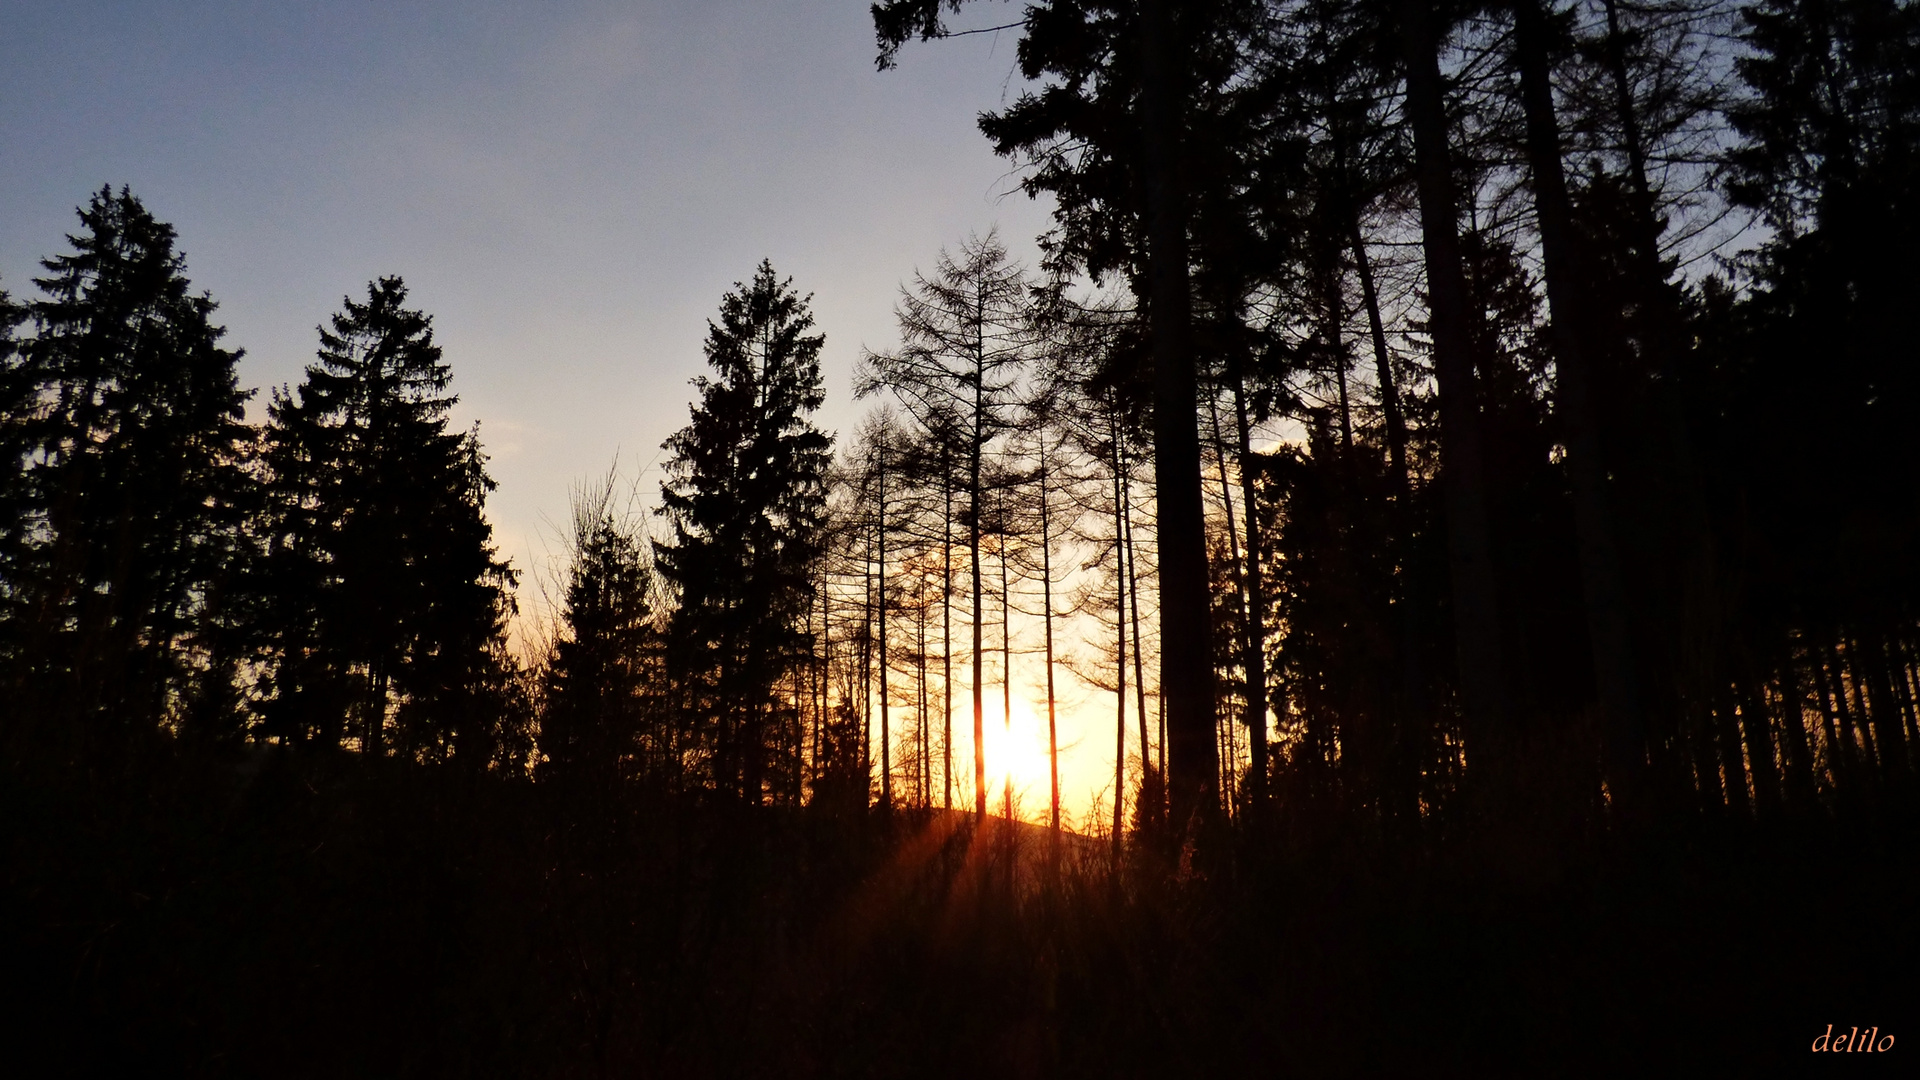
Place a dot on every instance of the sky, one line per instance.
(567, 187)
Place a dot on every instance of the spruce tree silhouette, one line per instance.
(596, 727)
(388, 603)
(745, 500)
(126, 514)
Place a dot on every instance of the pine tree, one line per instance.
(746, 500)
(389, 604)
(128, 418)
(598, 682)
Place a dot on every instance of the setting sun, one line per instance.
(1016, 752)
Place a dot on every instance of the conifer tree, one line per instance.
(597, 683)
(389, 604)
(745, 500)
(128, 418)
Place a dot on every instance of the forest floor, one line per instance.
(324, 918)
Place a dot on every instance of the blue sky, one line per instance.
(567, 187)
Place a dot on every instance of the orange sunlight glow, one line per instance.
(1017, 753)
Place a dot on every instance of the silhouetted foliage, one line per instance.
(386, 605)
(1531, 573)
(602, 718)
(127, 417)
(744, 502)
(965, 345)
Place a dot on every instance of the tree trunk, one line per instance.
(923, 774)
(946, 627)
(1241, 574)
(1151, 797)
(886, 730)
(1837, 726)
(1891, 716)
(811, 773)
(1396, 421)
(1046, 611)
(1732, 766)
(1567, 275)
(1846, 675)
(1332, 317)
(1120, 627)
(1758, 727)
(1006, 679)
(1645, 225)
(1903, 670)
(1800, 788)
(866, 679)
(1412, 746)
(973, 545)
(1476, 611)
(1160, 708)
(1253, 659)
(1186, 653)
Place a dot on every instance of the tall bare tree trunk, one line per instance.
(1568, 276)
(1413, 745)
(1798, 786)
(1476, 609)
(1757, 725)
(1390, 411)
(1860, 707)
(1046, 611)
(1706, 764)
(1903, 671)
(1160, 710)
(946, 626)
(1891, 707)
(973, 545)
(1254, 656)
(1837, 726)
(1186, 653)
(1006, 677)
(1732, 764)
(1151, 798)
(1241, 579)
(866, 677)
(1331, 295)
(1120, 626)
(812, 772)
(886, 731)
(923, 775)
(1644, 223)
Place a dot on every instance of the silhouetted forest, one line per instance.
(1467, 451)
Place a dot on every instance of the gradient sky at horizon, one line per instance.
(567, 189)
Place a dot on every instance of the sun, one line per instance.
(1016, 752)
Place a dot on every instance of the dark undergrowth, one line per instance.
(291, 917)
